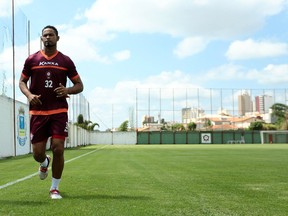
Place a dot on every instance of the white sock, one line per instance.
(45, 163)
(55, 183)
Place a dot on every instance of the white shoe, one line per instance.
(55, 194)
(43, 171)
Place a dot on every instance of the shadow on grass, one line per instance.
(105, 196)
(22, 202)
(14, 158)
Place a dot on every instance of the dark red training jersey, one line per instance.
(46, 74)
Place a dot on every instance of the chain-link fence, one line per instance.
(14, 48)
(78, 104)
(157, 106)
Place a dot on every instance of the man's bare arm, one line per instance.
(33, 99)
(75, 89)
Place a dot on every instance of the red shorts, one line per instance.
(44, 126)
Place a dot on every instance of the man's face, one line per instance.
(49, 38)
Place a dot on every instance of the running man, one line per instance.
(48, 70)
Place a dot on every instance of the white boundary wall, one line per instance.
(113, 138)
(22, 146)
(22, 121)
(77, 136)
(6, 129)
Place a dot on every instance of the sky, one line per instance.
(119, 46)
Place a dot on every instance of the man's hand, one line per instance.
(34, 99)
(61, 91)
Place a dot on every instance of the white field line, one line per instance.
(34, 174)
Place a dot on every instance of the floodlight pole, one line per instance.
(13, 70)
(136, 109)
(112, 136)
(29, 38)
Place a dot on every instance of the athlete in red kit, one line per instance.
(48, 70)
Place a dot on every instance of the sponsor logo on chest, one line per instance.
(44, 63)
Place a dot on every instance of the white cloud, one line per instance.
(170, 79)
(190, 46)
(6, 6)
(20, 56)
(123, 95)
(124, 91)
(271, 74)
(122, 55)
(6, 66)
(249, 49)
(197, 21)
(225, 72)
(211, 19)
(173, 84)
(81, 43)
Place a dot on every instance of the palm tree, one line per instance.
(124, 126)
(85, 124)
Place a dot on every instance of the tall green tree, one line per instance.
(192, 126)
(80, 119)
(257, 125)
(207, 123)
(178, 127)
(280, 111)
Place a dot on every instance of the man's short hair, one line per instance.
(51, 27)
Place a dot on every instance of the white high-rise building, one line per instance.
(245, 104)
(191, 114)
(263, 103)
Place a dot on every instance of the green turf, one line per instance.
(154, 180)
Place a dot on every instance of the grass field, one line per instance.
(154, 180)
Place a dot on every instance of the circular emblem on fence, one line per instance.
(206, 138)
